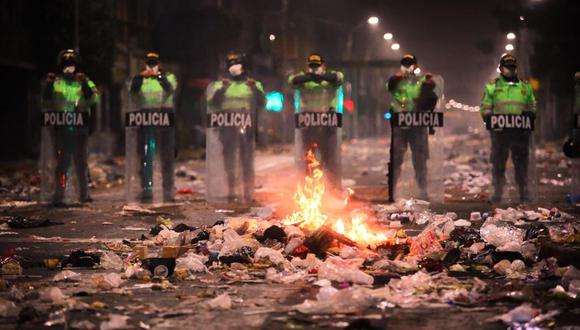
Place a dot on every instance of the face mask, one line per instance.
(236, 70)
(154, 68)
(69, 69)
(408, 69)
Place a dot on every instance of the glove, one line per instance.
(316, 78)
(50, 77)
(394, 81)
(251, 83)
(226, 82)
(331, 77)
(80, 77)
(147, 73)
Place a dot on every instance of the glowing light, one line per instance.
(395, 46)
(272, 37)
(417, 71)
(522, 18)
(511, 36)
(274, 101)
(388, 115)
(509, 47)
(373, 20)
(388, 36)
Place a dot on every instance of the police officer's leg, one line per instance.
(247, 157)
(419, 142)
(309, 142)
(499, 155)
(399, 141)
(332, 155)
(230, 143)
(81, 163)
(145, 167)
(63, 158)
(520, 148)
(167, 157)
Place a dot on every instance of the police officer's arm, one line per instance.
(486, 107)
(532, 105)
(215, 93)
(48, 87)
(394, 82)
(168, 82)
(300, 78)
(88, 89)
(333, 77)
(259, 95)
(136, 83)
(427, 99)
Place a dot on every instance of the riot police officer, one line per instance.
(234, 104)
(509, 95)
(71, 93)
(411, 92)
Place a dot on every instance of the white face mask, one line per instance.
(235, 70)
(153, 68)
(69, 69)
(408, 70)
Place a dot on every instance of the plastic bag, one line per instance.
(111, 261)
(222, 301)
(192, 262)
(337, 269)
(67, 275)
(275, 257)
(115, 321)
(503, 236)
(347, 301)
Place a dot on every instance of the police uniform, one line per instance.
(516, 97)
(154, 92)
(70, 93)
(411, 93)
(320, 93)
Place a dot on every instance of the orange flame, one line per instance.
(309, 214)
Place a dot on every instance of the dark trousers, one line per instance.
(324, 143)
(416, 138)
(237, 144)
(71, 145)
(152, 141)
(502, 142)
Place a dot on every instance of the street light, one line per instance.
(511, 36)
(395, 46)
(509, 47)
(373, 20)
(272, 37)
(388, 36)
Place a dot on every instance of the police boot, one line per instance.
(524, 195)
(497, 195)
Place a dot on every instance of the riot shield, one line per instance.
(321, 132)
(512, 158)
(149, 155)
(63, 157)
(230, 145)
(415, 167)
(572, 148)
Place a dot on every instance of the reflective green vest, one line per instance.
(503, 97)
(318, 96)
(68, 96)
(152, 94)
(237, 97)
(406, 93)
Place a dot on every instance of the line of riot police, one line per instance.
(233, 106)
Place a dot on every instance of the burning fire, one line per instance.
(309, 214)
